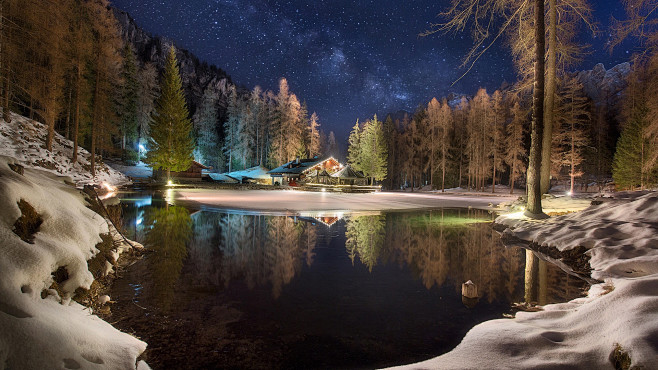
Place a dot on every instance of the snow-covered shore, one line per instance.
(45, 227)
(618, 320)
(23, 139)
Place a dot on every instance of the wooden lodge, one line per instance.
(300, 171)
(320, 175)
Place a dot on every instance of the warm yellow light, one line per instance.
(170, 183)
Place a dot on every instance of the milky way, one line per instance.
(346, 59)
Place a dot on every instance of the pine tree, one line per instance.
(374, 154)
(171, 129)
(631, 153)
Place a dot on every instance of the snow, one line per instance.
(621, 236)
(257, 172)
(294, 201)
(24, 140)
(52, 332)
(138, 171)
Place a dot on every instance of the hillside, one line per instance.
(24, 140)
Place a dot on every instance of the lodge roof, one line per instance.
(299, 166)
(348, 173)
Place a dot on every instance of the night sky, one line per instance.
(347, 59)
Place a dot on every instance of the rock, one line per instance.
(103, 299)
(469, 290)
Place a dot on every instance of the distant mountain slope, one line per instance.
(196, 76)
(603, 86)
(24, 139)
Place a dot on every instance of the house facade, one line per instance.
(299, 171)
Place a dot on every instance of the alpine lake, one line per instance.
(233, 289)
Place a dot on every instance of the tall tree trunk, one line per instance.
(549, 98)
(4, 60)
(94, 118)
(511, 177)
(76, 118)
(533, 208)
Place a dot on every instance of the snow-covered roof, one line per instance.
(256, 172)
(348, 173)
(299, 166)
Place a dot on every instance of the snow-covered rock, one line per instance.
(622, 239)
(38, 328)
(24, 140)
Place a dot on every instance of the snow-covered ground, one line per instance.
(621, 236)
(24, 140)
(39, 327)
(294, 201)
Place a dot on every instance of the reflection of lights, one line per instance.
(323, 190)
(169, 196)
(110, 191)
(139, 221)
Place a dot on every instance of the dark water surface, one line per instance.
(221, 289)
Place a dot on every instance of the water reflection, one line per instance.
(338, 291)
(440, 247)
(167, 232)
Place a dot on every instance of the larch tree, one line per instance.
(129, 98)
(445, 124)
(533, 208)
(44, 51)
(373, 151)
(149, 90)
(433, 144)
(205, 127)
(171, 142)
(314, 136)
(332, 145)
(571, 121)
(515, 153)
(105, 62)
(231, 127)
(354, 147)
(79, 52)
(495, 134)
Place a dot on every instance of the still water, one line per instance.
(224, 289)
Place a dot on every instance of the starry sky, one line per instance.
(347, 59)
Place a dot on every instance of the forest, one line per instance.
(66, 65)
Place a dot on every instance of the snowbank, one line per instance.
(24, 139)
(40, 329)
(294, 201)
(622, 239)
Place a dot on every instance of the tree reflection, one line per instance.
(365, 238)
(169, 230)
(257, 249)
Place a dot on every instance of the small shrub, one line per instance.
(620, 358)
